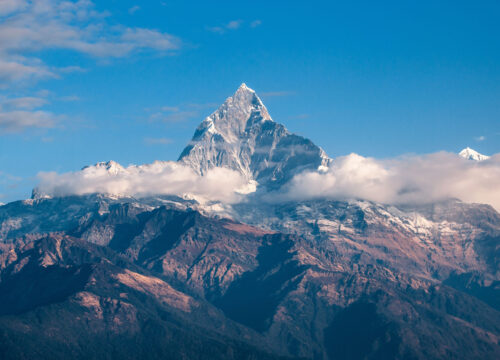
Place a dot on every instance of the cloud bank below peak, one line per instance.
(404, 180)
(158, 178)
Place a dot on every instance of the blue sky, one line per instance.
(130, 80)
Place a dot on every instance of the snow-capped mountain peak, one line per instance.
(471, 154)
(230, 120)
(241, 135)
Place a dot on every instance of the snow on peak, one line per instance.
(471, 154)
(238, 112)
(111, 167)
(241, 135)
(244, 87)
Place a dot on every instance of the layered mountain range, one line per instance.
(164, 276)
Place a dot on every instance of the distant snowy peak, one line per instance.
(110, 166)
(241, 135)
(471, 154)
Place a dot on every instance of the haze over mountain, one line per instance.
(254, 245)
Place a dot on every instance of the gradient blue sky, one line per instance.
(130, 80)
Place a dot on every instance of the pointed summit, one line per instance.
(238, 112)
(471, 154)
(241, 135)
(244, 87)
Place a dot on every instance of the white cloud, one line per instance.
(134, 9)
(217, 29)
(277, 93)
(235, 24)
(19, 114)
(179, 113)
(404, 180)
(159, 178)
(255, 23)
(300, 116)
(19, 120)
(70, 69)
(174, 117)
(232, 25)
(480, 138)
(69, 98)
(30, 26)
(8, 183)
(18, 70)
(157, 141)
(414, 180)
(28, 102)
(9, 6)
(170, 108)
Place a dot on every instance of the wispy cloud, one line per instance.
(173, 117)
(255, 23)
(157, 141)
(27, 102)
(179, 113)
(277, 93)
(20, 120)
(27, 27)
(203, 106)
(70, 69)
(480, 138)
(134, 9)
(10, 6)
(170, 108)
(19, 69)
(23, 113)
(300, 116)
(69, 98)
(6, 177)
(43, 93)
(231, 25)
(8, 182)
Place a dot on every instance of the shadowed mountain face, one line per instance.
(66, 298)
(162, 277)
